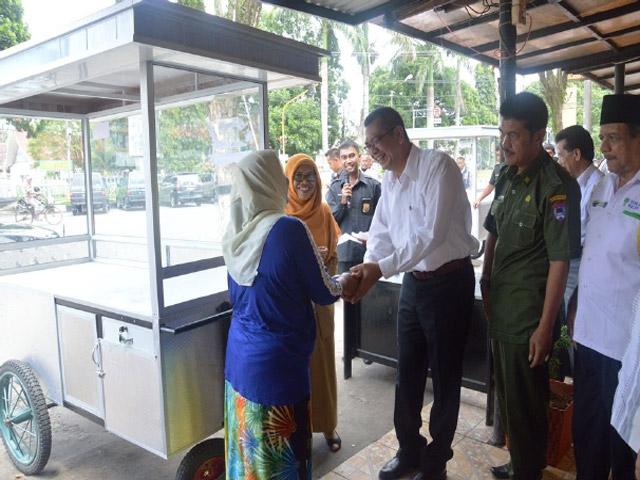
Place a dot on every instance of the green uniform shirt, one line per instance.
(536, 219)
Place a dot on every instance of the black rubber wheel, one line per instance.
(367, 361)
(25, 426)
(205, 461)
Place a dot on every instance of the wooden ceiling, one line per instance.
(586, 37)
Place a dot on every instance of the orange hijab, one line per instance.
(314, 212)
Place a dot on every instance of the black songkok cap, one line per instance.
(620, 108)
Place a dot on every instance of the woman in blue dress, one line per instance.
(275, 273)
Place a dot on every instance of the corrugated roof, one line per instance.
(580, 36)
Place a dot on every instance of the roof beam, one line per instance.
(400, 27)
(591, 62)
(598, 80)
(316, 10)
(563, 27)
(627, 72)
(574, 16)
(479, 20)
(577, 43)
(413, 7)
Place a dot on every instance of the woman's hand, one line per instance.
(349, 285)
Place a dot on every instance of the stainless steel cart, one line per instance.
(130, 330)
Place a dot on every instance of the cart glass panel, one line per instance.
(204, 123)
(39, 158)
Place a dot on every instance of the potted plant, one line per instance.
(560, 402)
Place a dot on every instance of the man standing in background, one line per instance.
(333, 160)
(575, 153)
(353, 198)
(608, 282)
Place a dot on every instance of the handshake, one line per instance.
(357, 282)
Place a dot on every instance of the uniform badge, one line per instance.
(366, 206)
(527, 199)
(559, 211)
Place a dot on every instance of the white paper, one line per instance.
(347, 237)
(364, 236)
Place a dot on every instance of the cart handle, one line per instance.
(224, 312)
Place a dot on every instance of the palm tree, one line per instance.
(554, 91)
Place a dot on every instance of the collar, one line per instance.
(531, 172)
(411, 167)
(584, 177)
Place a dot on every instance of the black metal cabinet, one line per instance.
(370, 333)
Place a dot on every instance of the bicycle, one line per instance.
(27, 213)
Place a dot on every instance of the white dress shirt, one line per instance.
(423, 218)
(610, 267)
(587, 181)
(625, 416)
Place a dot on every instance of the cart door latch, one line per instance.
(123, 336)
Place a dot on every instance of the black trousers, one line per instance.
(598, 447)
(433, 322)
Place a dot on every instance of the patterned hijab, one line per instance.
(258, 196)
(314, 212)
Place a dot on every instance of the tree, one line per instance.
(554, 92)
(12, 27)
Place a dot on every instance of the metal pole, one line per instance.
(586, 106)
(152, 210)
(507, 52)
(619, 73)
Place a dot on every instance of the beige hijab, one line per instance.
(258, 197)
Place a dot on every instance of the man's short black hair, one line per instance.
(576, 136)
(348, 144)
(332, 152)
(527, 108)
(388, 118)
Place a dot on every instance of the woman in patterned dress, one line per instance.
(275, 273)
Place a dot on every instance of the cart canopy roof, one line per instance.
(94, 65)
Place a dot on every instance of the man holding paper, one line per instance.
(353, 198)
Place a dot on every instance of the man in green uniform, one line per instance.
(534, 230)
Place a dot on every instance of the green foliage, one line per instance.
(561, 345)
(302, 122)
(195, 4)
(304, 114)
(183, 138)
(12, 28)
(52, 143)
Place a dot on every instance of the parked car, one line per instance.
(79, 196)
(180, 188)
(130, 191)
(13, 232)
(209, 183)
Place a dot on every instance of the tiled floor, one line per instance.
(472, 455)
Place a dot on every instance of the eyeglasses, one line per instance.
(375, 141)
(299, 178)
(348, 156)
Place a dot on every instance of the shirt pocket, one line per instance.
(523, 229)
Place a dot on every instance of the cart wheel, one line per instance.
(205, 461)
(24, 419)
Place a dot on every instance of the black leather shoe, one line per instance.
(396, 468)
(503, 471)
(440, 475)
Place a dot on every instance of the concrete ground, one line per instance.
(83, 450)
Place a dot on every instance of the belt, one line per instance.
(448, 267)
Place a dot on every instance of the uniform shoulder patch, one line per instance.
(558, 198)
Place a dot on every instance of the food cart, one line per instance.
(122, 316)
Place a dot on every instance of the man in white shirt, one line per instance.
(625, 417)
(575, 153)
(607, 284)
(421, 227)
